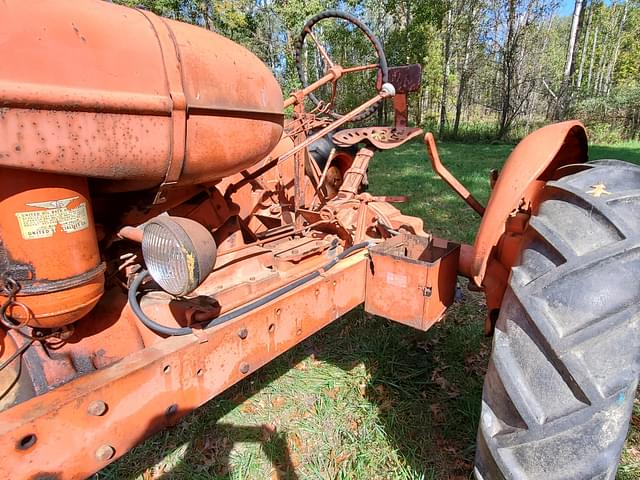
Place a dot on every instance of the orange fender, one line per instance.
(530, 165)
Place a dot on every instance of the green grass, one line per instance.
(365, 398)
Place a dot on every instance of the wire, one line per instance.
(15, 354)
(152, 325)
(174, 331)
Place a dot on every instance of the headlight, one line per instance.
(179, 253)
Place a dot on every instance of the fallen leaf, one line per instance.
(451, 390)
(277, 402)
(342, 458)
(362, 387)
(437, 413)
(294, 440)
(248, 408)
(302, 366)
(353, 426)
(296, 460)
(314, 361)
(475, 364)
(332, 392)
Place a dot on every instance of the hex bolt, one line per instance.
(97, 408)
(243, 333)
(105, 452)
(244, 367)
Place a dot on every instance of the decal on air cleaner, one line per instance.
(44, 223)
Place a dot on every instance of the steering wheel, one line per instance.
(328, 63)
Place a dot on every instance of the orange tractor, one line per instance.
(165, 230)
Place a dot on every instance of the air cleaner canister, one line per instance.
(48, 245)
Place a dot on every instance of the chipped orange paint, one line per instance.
(530, 165)
(95, 89)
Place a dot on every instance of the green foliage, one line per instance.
(612, 118)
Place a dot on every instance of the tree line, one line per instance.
(492, 69)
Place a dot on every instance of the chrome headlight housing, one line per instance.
(179, 253)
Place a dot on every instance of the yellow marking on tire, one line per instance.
(599, 190)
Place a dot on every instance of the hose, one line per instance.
(150, 324)
(178, 331)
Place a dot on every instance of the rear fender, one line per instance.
(531, 164)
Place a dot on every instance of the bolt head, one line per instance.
(97, 408)
(244, 367)
(243, 333)
(171, 410)
(105, 452)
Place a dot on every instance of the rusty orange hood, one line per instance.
(99, 90)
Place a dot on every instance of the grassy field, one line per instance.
(365, 398)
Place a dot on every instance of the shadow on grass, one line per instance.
(421, 385)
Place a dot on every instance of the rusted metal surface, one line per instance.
(383, 138)
(352, 182)
(405, 78)
(412, 279)
(448, 177)
(79, 96)
(180, 371)
(159, 117)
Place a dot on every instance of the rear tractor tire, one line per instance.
(563, 374)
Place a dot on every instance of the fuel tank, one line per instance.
(129, 98)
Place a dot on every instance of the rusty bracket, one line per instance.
(173, 74)
(448, 177)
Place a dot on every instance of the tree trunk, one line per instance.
(507, 60)
(614, 60)
(583, 54)
(445, 80)
(571, 48)
(205, 8)
(600, 73)
(592, 59)
(565, 93)
(463, 80)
